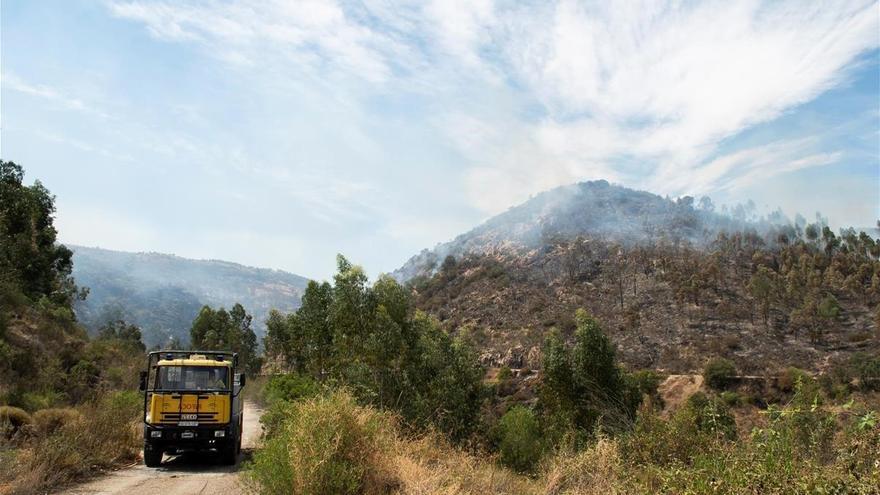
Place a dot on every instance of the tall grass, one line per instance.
(326, 446)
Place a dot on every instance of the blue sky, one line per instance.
(279, 133)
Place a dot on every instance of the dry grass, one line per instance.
(429, 465)
(98, 436)
(597, 470)
(49, 421)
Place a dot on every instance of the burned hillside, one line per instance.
(765, 302)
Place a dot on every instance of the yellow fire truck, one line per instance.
(191, 403)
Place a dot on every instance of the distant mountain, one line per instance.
(593, 209)
(163, 293)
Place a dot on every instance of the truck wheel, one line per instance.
(152, 458)
(240, 424)
(228, 454)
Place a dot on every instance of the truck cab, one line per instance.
(191, 403)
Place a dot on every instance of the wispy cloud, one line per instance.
(578, 86)
(744, 167)
(312, 34)
(666, 82)
(11, 82)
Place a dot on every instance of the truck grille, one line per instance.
(202, 418)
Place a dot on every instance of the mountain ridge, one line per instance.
(620, 214)
(163, 292)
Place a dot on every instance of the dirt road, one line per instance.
(179, 475)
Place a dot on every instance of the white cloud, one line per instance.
(541, 94)
(665, 82)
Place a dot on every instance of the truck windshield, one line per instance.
(192, 378)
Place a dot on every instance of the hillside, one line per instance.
(593, 209)
(162, 293)
(674, 285)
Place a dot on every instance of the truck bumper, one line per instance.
(182, 439)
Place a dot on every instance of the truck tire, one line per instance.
(240, 425)
(152, 458)
(229, 454)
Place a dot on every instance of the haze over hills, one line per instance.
(163, 293)
(599, 210)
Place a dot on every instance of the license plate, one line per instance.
(187, 434)
(188, 423)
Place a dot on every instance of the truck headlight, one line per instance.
(155, 434)
(219, 433)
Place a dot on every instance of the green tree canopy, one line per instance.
(369, 338)
(31, 261)
(583, 383)
(227, 331)
(122, 331)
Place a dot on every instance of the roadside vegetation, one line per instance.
(67, 406)
(345, 416)
(328, 443)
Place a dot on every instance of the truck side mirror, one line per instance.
(143, 383)
(241, 378)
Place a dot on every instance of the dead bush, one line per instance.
(48, 421)
(13, 421)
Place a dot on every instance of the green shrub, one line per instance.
(290, 387)
(519, 439)
(719, 373)
(504, 373)
(35, 401)
(646, 381)
(128, 402)
(326, 445)
(789, 378)
(803, 428)
(860, 372)
(867, 370)
(711, 415)
(6, 354)
(48, 421)
(274, 417)
(660, 442)
(731, 398)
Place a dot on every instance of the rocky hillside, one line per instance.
(674, 285)
(163, 293)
